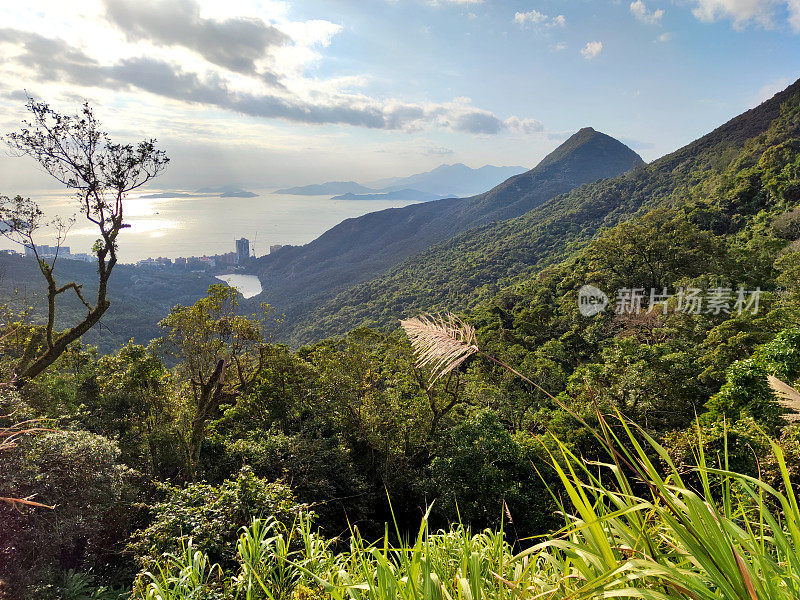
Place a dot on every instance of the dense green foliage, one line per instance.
(95, 506)
(746, 392)
(642, 532)
(213, 514)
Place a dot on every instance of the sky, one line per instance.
(269, 93)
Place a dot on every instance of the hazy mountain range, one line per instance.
(457, 180)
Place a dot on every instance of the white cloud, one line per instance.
(664, 37)
(526, 126)
(794, 14)
(742, 13)
(639, 10)
(560, 46)
(592, 50)
(532, 16)
(535, 17)
(227, 85)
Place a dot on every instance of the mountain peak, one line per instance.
(588, 144)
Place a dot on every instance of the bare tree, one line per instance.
(78, 154)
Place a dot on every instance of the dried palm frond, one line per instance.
(8, 440)
(440, 342)
(788, 396)
(17, 502)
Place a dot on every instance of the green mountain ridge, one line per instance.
(475, 265)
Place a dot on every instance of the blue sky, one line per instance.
(269, 92)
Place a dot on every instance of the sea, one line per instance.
(175, 227)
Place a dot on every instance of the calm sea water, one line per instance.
(174, 227)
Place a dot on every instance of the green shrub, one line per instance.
(72, 585)
(93, 495)
(211, 515)
(484, 470)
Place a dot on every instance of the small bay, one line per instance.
(247, 285)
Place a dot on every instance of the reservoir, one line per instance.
(247, 285)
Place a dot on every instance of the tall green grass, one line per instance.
(636, 526)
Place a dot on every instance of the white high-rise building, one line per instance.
(242, 250)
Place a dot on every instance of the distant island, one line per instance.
(171, 195)
(406, 194)
(222, 191)
(445, 181)
(329, 188)
(226, 191)
(239, 194)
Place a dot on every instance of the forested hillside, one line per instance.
(297, 279)
(475, 265)
(140, 297)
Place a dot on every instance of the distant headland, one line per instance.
(406, 194)
(221, 191)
